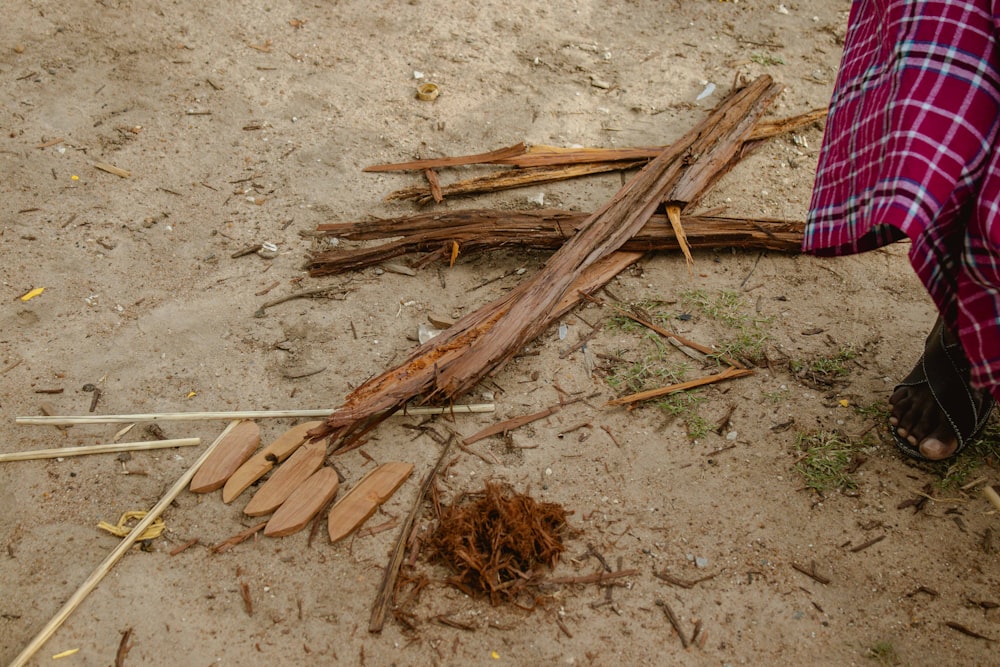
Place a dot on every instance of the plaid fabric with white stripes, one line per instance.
(911, 150)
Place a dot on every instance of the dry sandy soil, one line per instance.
(249, 122)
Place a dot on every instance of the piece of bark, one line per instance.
(361, 502)
(297, 469)
(261, 463)
(305, 502)
(237, 447)
(477, 230)
(438, 163)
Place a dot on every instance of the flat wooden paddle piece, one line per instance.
(283, 481)
(261, 463)
(361, 502)
(235, 448)
(306, 501)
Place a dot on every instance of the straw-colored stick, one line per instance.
(60, 452)
(61, 420)
(992, 496)
(112, 558)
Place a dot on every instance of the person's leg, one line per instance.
(934, 410)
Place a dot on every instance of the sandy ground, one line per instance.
(242, 123)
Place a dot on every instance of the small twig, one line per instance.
(811, 573)
(727, 374)
(124, 646)
(966, 631)
(611, 435)
(387, 588)
(682, 582)
(190, 543)
(596, 578)
(93, 401)
(562, 626)
(662, 604)
(247, 600)
(239, 538)
(510, 424)
(873, 541)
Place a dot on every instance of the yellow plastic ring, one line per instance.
(428, 92)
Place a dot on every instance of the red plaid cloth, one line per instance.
(910, 150)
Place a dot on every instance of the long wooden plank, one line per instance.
(304, 503)
(361, 502)
(261, 463)
(297, 469)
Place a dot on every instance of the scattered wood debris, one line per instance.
(452, 362)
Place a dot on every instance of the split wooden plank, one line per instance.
(59, 452)
(66, 420)
(438, 163)
(237, 447)
(477, 230)
(361, 502)
(305, 502)
(509, 179)
(283, 481)
(98, 574)
(261, 463)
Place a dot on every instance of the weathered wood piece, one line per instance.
(304, 503)
(375, 488)
(261, 463)
(438, 163)
(236, 448)
(477, 230)
(297, 469)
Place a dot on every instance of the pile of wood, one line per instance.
(591, 251)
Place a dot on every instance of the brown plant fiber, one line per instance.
(494, 541)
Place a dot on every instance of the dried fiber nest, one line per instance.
(495, 540)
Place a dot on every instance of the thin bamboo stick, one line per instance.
(65, 420)
(60, 452)
(97, 575)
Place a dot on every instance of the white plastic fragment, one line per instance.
(709, 89)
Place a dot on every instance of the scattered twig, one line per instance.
(966, 631)
(662, 604)
(60, 452)
(727, 374)
(124, 646)
(811, 573)
(178, 549)
(239, 538)
(387, 588)
(871, 542)
(510, 424)
(247, 600)
(682, 582)
(596, 578)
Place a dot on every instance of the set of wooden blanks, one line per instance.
(299, 485)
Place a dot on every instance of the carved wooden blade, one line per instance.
(261, 463)
(283, 481)
(236, 448)
(361, 502)
(305, 502)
